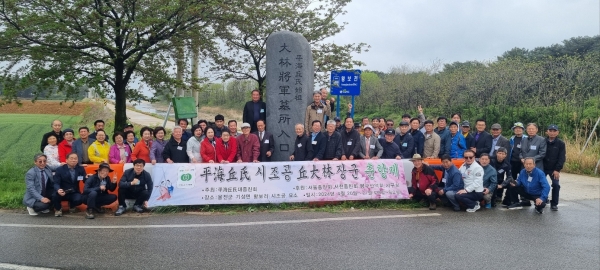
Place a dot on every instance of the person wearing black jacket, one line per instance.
(405, 141)
(303, 149)
(318, 141)
(175, 149)
(66, 184)
(254, 110)
(418, 136)
(501, 163)
(482, 141)
(56, 130)
(266, 140)
(350, 140)
(96, 190)
(554, 161)
(333, 148)
(390, 149)
(136, 183)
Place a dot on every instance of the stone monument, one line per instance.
(290, 83)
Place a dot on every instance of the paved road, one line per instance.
(143, 119)
(491, 239)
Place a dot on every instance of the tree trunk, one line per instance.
(180, 62)
(120, 98)
(195, 62)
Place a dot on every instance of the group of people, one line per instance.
(323, 137)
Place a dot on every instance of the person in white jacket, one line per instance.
(472, 175)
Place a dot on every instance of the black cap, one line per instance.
(466, 124)
(129, 125)
(104, 166)
(553, 127)
(356, 125)
(337, 119)
(390, 131)
(68, 130)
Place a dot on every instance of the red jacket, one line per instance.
(208, 152)
(64, 148)
(427, 179)
(141, 151)
(248, 148)
(229, 153)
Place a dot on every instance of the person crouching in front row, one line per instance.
(135, 184)
(424, 182)
(96, 190)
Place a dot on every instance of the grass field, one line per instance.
(21, 136)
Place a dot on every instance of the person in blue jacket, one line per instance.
(457, 142)
(452, 180)
(531, 185)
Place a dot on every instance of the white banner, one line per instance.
(278, 182)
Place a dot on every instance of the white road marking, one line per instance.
(275, 222)
(21, 267)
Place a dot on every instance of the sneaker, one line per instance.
(45, 211)
(539, 210)
(139, 208)
(488, 206)
(99, 210)
(73, 210)
(31, 211)
(89, 214)
(515, 206)
(554, 207)
(120, 211)
(58, 213)
(477, 206)
(456, 209)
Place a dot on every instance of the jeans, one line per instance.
(75, 199)
(469, 199)
(95, 199)
(451, 196)
(555, 189)
(139, 196)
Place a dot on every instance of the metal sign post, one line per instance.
(345, 83)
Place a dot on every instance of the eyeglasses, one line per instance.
(390, 125)
(41, 161)
(470, 157)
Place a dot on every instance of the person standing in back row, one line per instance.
(534, 146)
(56, 130)
(554, 161)
(514, 154)
(316, 110)
(254, 110)
(482, 141)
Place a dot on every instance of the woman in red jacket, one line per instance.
(142, 149)
(208, 147)
(226, 148)
(66, 146)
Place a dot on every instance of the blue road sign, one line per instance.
(345, 82)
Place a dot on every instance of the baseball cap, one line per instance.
(337, 119)
(129, 125)
(553, 127)
(496, 126)
(390, 131)
(68, 130)
(368, 126)
(245, 125)
(466, 124)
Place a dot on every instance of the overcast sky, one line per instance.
(417, 33)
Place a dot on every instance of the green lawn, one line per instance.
(21, 137)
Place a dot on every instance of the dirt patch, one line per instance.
(45, 107)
